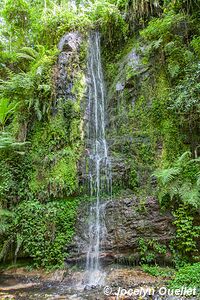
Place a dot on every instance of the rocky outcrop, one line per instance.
(127, 220)
(64, 74)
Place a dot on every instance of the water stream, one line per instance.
(99, 166)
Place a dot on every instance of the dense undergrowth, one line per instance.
(159, 110)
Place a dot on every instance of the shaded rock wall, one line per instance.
(127, 220)
(66, 69)
(130, 145)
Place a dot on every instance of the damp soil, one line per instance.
(19, 284)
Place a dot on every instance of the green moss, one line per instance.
(63, 175)
(54, 154)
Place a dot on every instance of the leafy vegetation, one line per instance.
(180, 181)
(53, 224)
(150, 250)
(187, 232)
(158, 271)
(187, 276)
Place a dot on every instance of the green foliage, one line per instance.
(6, 180)
(17, 14)
(54, 153)
(56, 180)
(188, 276)
(32, 90)
(112, 25)
(133, 178)
(7, 109)
(56, 21)
(195, 43)
(5, 216)
(7, 143)
(185, 6)
(165, 38)
(180, 182)
(150, 249)
(186, 232)
(158, 271)
(27, 53)
(53, 224)
(161, 29)
(185, 99)
(13, 175)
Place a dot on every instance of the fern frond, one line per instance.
(190, 194)
(8, 142)
(167, 175)
(196, 159)
(184, 158)
(174, 188)
(29, 51)
(25, 56)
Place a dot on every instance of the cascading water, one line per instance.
(99, 166)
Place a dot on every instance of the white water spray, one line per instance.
(100, 176)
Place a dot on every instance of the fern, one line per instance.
(7, 142)
(184, 158)
(190, 194)
(28, 53)
(180, 181)
(7, 108)
(166, 175)
(25, 56)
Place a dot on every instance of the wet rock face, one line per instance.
(127, 220)
(126, 140)
(70, 42)
(69, 47)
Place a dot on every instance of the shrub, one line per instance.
(41, 231)
(188, 276)
(158, 271)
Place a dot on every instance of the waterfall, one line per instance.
(99, 166)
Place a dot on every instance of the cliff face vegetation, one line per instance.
(151, 61)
